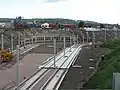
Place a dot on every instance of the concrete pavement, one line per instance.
(28, 65)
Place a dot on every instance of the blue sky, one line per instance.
(104, 11)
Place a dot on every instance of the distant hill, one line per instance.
(52, 20)
(58, 20)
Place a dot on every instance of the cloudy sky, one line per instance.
(104, 11)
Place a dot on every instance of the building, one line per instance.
(45, 25)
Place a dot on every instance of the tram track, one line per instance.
(54, 80)
(42, 77)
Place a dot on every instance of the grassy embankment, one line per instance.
(103, 78)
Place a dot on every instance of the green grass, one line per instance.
(103, 78)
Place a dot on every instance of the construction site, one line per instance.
(45, 54)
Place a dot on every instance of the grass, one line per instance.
(103, 78)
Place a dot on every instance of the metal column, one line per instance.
(54, 51)
(2, 40)
(24, 40)
(74, 40)
(17, 69)
(35, 38)
(64, 46)
(70, 44)
(116, 33)
(83, 38)
(93, 36)
(105, 35)
(77, 38)
(116, 81)
(32, 39)
(87, 36)
(44, 39)
(11, 41)
(19, 39)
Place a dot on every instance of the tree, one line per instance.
(81, 24)
(102, 26)
(117, 25)
(82, 31)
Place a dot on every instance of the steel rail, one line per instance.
(46, 62)
(21, 85)
(44, 86)
(56, 87)
(49, 80)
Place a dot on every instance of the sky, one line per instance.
(103, 11)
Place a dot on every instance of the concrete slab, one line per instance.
(63, 61)
(53, 82)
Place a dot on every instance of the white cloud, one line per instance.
(107, 11)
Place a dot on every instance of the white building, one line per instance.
(114, 28)
(92, 29)
(2, 25)
(45, 25)
(9, 25)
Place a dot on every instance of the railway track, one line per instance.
(43, 76)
